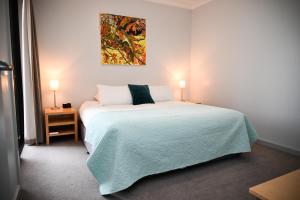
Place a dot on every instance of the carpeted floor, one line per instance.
(59, 172)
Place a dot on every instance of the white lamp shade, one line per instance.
(182, 83)
(54, 85)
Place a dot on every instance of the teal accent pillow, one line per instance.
(140, 94)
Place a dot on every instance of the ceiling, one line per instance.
(189, 4)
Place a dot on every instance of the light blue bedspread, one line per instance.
(133, 144)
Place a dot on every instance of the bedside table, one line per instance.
(61, 122)
(195, 102)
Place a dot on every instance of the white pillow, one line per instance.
(161, 93)
(113, 95)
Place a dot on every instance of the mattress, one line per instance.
(89, 109)
(131, 142)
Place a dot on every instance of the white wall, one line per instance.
(246, 56)
(69, 46)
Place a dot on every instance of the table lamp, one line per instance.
(182, 86)
(54, 85)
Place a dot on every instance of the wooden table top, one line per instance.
(60, 111)
(286, 187)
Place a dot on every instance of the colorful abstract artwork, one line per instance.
(123, 40)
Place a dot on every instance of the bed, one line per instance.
(127, 143)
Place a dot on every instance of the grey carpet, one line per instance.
(59, 172)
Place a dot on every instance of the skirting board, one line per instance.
(18, 193)
(30, 141)
(278, 147)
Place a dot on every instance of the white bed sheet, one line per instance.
(90, 108)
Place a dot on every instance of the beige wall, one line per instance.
(246, 56)
(69, 46)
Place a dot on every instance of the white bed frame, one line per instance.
(87, 145)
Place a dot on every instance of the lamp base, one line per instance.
(55, 108)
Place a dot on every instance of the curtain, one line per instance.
(33, 109)
(14, 12)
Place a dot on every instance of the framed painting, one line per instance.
(123, 40)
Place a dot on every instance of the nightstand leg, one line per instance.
(47, 140)
(47, 128)
(76, 138)
(76, 127)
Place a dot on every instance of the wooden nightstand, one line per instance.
(195, 102)
(60, 122)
